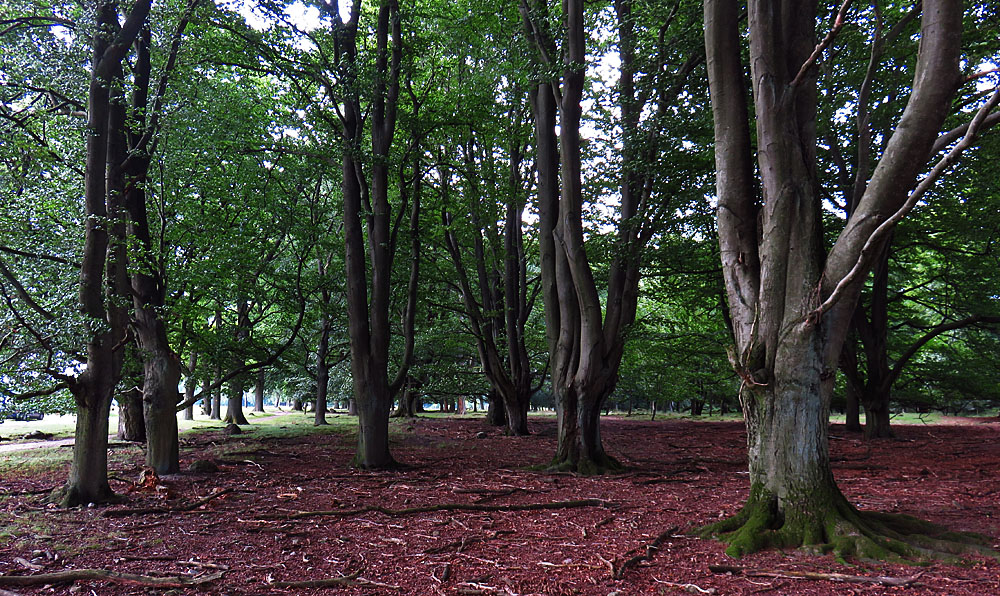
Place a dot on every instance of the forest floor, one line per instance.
(457, 519)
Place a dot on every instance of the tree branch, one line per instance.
(72, 575)
(904, 359)
(838, 24)
(880, 233)
(23, 293)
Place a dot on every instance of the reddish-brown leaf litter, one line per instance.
(680, 474)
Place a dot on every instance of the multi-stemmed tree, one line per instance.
(790, 299)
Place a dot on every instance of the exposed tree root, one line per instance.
(73, 575)
(618, 571)
(441, 507)
(881, 580)
(833, 525)
(176, 509)
(353, 579)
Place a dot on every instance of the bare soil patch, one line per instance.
(457, 519)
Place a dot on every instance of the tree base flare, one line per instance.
(587, 466)
(389, 464)
(68, 496)
(838, 527)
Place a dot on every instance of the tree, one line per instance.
(161, 365)
(790, 301)
(498, 299)
(587, 327)
(103, 270)
(366, 196)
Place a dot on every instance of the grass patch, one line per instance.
(34, 462)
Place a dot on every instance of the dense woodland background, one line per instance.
(245, 213)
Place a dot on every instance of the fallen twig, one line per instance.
(692, 588)
(441, 507)
(28, 564)
(812, 575)
(651, 549)
(457, 544)
(176, 509)
(201, 565)
(74, 575)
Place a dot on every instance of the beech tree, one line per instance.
(103, 281)
(497, 296)
(161, 365)
(366, 199)
(791, 301)
(587, 327)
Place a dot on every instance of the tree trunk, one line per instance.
(258, 392)
(877, 415)
(88, 476)
(579, 447)
(206, 400)
(159, 398)
(852, 409)
(237, 386)
(322, 370)
(373, 429)
(516, 410)
(409, 400)
(790, 304)
(161, 376)
(496, 415)
(131, 424)
(216, 413)
(234, 409)
(873, 330)
(190, 383)
(103, 275)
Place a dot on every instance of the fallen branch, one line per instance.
(347, 580)
(28, 564)
(833, 577)
(74, 575)
(651, 549)
(441, 507)
(333, 582)
(177, 509)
